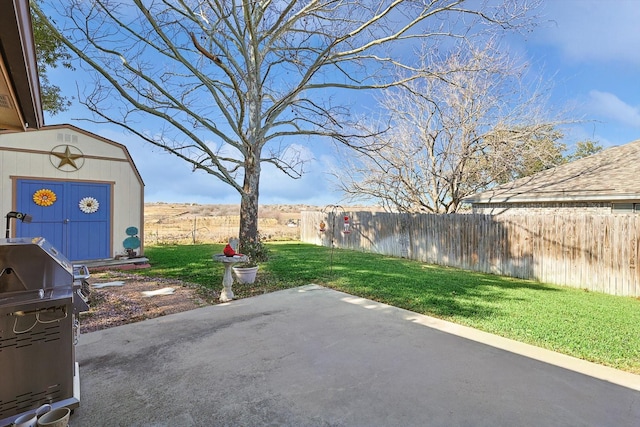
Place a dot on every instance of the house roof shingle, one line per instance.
(612, 174)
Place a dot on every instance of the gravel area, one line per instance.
(118, 305)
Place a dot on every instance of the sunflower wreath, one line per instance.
(89, 205)
(44, 197)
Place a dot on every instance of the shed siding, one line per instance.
(45, 139)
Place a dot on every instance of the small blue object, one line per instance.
(131, 242)
(131, 231)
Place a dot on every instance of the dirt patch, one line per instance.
(118, 305)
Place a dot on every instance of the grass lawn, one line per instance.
(600, 328)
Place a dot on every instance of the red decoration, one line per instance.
(228, 251)
(347, 228)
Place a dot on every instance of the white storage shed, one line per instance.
(83, 192)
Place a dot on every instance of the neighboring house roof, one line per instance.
(612, 174)
(20, 98)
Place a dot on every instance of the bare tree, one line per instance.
(462, 128)
(231, 81)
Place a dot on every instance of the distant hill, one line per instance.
(170, 223)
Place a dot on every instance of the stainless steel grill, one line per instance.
(41, 295)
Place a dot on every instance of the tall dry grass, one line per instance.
(182, 223)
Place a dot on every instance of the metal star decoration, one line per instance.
(67, 158)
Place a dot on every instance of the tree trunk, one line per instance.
(249, 201)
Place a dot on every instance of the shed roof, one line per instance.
(92, 135)
(612, 174)
(102, 139)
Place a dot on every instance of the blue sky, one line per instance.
(588, 50)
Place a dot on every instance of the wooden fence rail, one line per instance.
(598, 253)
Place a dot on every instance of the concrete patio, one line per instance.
(311, 356)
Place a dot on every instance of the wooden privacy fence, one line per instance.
(598, 253)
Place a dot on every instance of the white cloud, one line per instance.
(170, 179)
(610, 106)
(593, 29)
(313, 187)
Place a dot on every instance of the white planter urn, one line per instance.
(245, 274)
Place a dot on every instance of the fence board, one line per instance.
(598, 253)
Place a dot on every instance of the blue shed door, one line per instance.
(78, 234)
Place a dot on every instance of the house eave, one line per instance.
(549, 198)
(21, 106)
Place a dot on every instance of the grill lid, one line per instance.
(31, 264)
